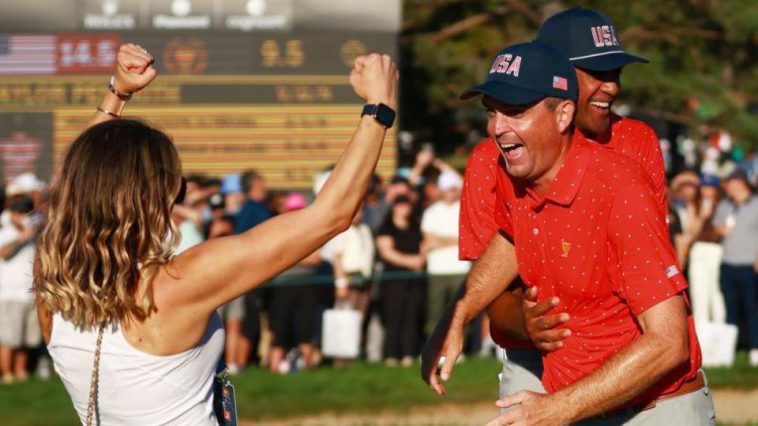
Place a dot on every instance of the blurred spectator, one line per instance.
(188, 216)
(276, 200)
(429, 190)
(686, 201)
(236, 347)
(424, 159)
(375, 206)
(376, 216)
(402, 294)
(254, 209)
(705, 259)
(233, 192)
(439, 226)
(27, 184)
(252, 212)
(424, 175)
(353, 264)
(736, 220)
(293, 306)
(19, 327)
(353, 254)
(218, 215)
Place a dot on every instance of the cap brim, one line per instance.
(607, 62)
(504, 93)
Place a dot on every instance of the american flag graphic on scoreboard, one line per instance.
(27, 54)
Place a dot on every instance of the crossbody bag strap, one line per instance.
(95, 376)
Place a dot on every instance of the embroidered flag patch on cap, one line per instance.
(560, 83)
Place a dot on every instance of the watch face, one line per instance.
(385, 115)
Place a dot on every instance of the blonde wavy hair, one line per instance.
(109, 224)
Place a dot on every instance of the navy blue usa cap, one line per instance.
(588, 38)
(525, 73)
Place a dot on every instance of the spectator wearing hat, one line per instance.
(736, 221)
(685, 194)
(234, 195)
(439, 226)
(28, 184)
(217, 208)
(402, 293)
(705, 258)
(19, 327)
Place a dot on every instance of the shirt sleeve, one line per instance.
(639, 247)
(654, 165)
(722, 212)
(7, 235)
(426, 223)
(338, 242)
(386, 227)
(476, 219)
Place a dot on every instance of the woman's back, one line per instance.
(135, 387)
(105, 255)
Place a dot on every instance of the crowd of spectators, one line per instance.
(714, 228)
(397, 265)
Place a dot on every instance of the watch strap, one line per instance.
(383, 114)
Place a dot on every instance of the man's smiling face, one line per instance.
(527, 135)
(597, 91)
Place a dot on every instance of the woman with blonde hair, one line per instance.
(132, 329)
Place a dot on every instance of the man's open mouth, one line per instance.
(601, 105)
(512, 150)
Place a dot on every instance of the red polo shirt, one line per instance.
(599, 242)
(627, 136)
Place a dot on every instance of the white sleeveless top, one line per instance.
(136, 388)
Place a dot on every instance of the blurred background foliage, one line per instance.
(702, 74)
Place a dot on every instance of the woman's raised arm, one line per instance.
(134, 71)
(215, 272)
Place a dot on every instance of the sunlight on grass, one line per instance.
(358, 388)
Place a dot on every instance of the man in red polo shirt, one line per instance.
(598, 68)
(587, 228)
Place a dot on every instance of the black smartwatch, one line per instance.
(381, 113)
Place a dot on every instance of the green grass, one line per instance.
(357, 388)
(740, 376)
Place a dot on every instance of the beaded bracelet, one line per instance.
(124, 96)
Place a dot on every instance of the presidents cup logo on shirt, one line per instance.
(604, 36)
(506, 64)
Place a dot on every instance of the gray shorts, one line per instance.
(233, 310)
(522, 370)
(691, 409)
(19, 325)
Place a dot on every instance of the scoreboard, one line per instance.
(276, 101)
